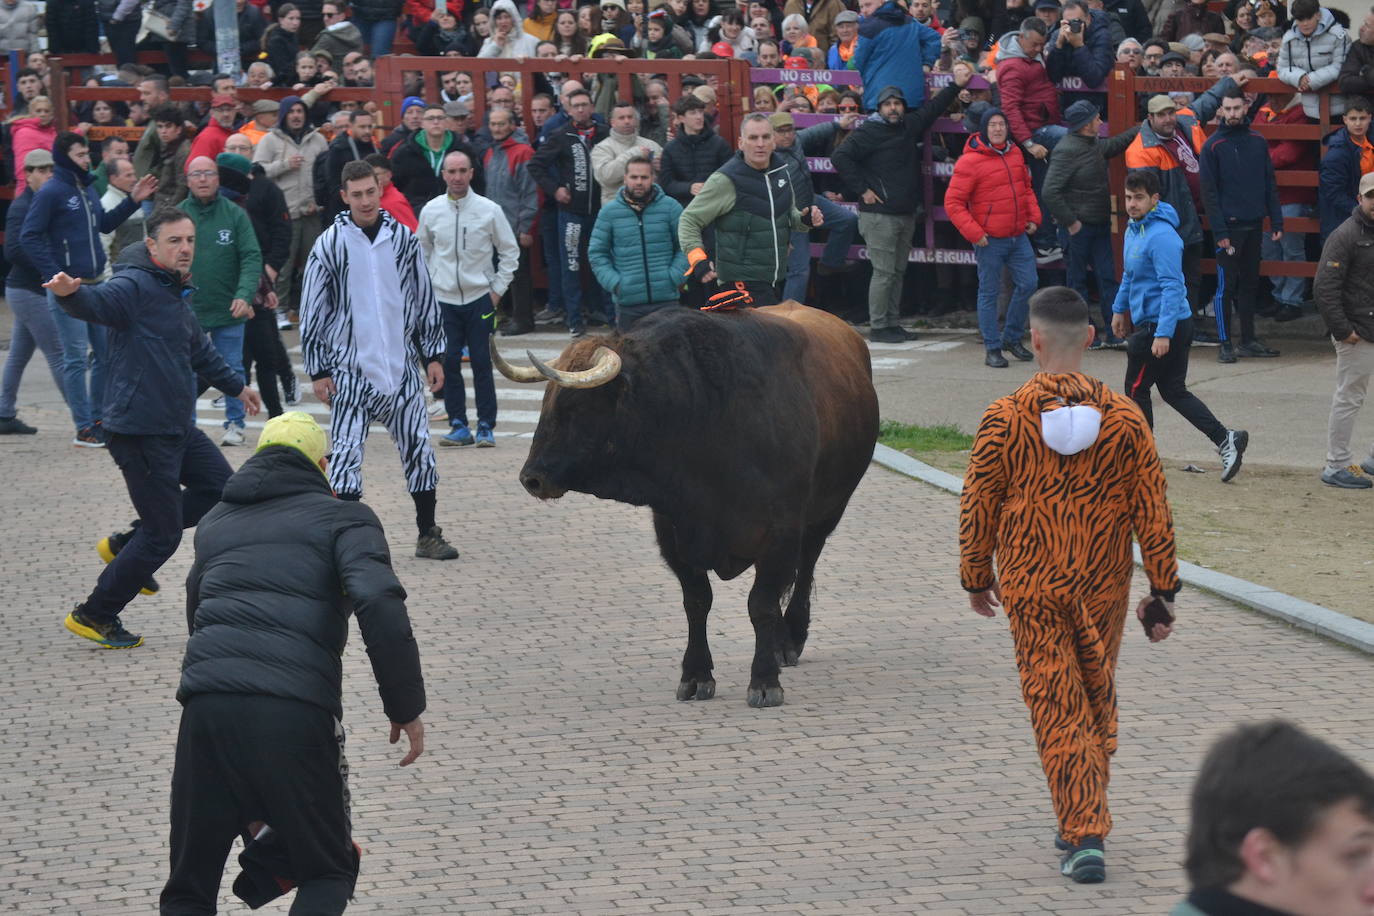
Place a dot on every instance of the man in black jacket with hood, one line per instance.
(880, 168)
(281, 564)
(156, 349)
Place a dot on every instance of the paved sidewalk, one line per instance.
(561, 776)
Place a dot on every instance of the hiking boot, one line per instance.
(1019, 350)
(1227, 353)
(1255, 349)
(89, 437)
(13, 426)
(1348, 478)
(233, 435)
(1085, 863)
(1231, 450)
(484, 437)
(291, 391)
(111, 635)
(432, 546)
(548, 316)
(995, 360)
(459, 435)
(109, 546)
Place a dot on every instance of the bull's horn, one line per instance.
(605, 367)
(514, 373)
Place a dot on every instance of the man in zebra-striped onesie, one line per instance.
(369, 321)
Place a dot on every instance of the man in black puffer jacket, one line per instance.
(280, 565)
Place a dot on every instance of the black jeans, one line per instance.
(469, 326)
(1238, 282)
(241, 759)
(123, 38)
(1169, 374)
(155, 469)
(262, 345)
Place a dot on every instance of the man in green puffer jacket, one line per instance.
(226, 269)
(634, 250)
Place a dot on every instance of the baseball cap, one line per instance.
(456, 110)
(266, 106)
(1171, 57)
(723, 49)
(847, 16)
(297, 430)
(221, 100)
(783, 119)
(795, 63)
(1160, 103)
(1047, 4)
(705, 93)
(411, 101)
(1366, 183)
(37, 159)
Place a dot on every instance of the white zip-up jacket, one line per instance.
(457, 238)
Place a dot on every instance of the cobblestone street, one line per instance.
(560, 774)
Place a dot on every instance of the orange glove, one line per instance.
(698, 264)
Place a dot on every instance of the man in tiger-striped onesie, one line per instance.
(1062, 472)
(369, 320)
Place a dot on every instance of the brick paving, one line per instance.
(561, 776)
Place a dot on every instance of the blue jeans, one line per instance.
(469, 326)
(1048, 137)
(33, 329)
(1092, 246)
(83, 399)
(1015, 254)
(548, 240)
(574, 232)
(842, 225)
(229, 342)
(1292, 247)
(377, 35)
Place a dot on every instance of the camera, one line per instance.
(1075, 25)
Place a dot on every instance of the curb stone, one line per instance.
(1295, 611)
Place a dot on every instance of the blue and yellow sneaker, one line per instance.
(1085, 863)
(110, 635)
(108, 547)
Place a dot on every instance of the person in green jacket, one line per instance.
(1282, 825)
(225, 274)
(634, 251)
(750, 202)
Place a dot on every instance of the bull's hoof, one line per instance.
(762, 696)
(699, 688)
(791, 655)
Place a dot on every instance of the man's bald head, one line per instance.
(202, 178)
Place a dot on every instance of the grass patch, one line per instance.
(909, 437)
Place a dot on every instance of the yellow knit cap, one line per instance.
(297, 430)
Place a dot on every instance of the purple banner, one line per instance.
(828, 77)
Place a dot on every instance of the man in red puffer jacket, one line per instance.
(991, 203)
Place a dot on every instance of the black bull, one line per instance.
(745, 432)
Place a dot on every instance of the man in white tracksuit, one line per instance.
(459, 232)
(369, 321)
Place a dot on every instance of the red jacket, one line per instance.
(1029, 99)
(395, 203)
(209, 142)
(990, 192)
(420, 11)
(1292, 154)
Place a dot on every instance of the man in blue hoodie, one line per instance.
(157, 348)
(1151, 310)
(61, 234)
(893, 50)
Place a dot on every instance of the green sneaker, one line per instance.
(1084, 864)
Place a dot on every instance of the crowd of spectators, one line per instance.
(1028, 187)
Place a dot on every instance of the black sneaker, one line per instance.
(1227, 353)
(13, 426)
(887, 335)
(110, 546)
(1256, 350)
(1085, 863)
(1019, 350)
(291, 391)
(111, 635)
(1202, 337)
(1288, 313)
(432, 546)
(995, 360)
(1231, 450)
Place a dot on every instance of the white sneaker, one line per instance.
(1231, 450)
(218, 403)
(233, 435)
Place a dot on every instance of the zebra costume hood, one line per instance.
(367, 306)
